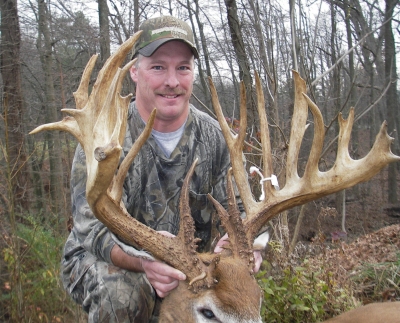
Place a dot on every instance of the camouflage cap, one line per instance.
(158, 31)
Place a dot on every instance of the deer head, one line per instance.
(218, 287)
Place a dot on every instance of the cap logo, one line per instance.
(169, 29)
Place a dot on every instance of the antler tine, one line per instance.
(318, 142)
(265, 138)
(81, 95)
(233, 224)
(68, 123)
(314, 184)
(235, 143)
(199, 275)
(117, 185)
(113, 63)
(298, 127)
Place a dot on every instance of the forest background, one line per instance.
(346, 50)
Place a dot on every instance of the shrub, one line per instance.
(33, 292)
(301, 294)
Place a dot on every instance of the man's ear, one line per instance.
(133, 73)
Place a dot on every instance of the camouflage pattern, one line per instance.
(157, 31)
(116, 295)
(151, 195)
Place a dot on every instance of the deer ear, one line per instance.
(261, 242)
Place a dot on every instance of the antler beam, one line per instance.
(314, 184)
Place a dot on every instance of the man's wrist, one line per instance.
(121, 259)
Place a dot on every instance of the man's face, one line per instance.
(165, 81)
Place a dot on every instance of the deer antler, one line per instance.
(99, 124)
(313, 184)
(239, 245)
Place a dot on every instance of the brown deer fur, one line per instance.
(388, 312)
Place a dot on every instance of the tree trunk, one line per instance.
(296, 232)
(340, 196)
(104, 30)
(295, 43)
(371, 51)
(13, 107)
(202, 74)
(244, 67)
(391, 95)
(262, 52)
(136, 16)
(352, 97)
(53, 138)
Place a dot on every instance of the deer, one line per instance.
(219, 287)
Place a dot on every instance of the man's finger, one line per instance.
(164, 288)
(166, 270)
(160, 269)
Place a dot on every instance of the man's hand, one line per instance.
(162, 277)
(257, 260)
(257, 254)
(219, 246)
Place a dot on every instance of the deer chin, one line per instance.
(225, 301)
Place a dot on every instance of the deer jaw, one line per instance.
(235, 297)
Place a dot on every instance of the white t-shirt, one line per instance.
(167, 141)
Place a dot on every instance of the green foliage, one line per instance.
(301, 294)
(34, 273)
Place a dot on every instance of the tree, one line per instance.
(242, 58)
(371, 57)
(261, 54)
(201, 43)
(104, 30)
(14, 173)
(53, 140)
(13, 104)
(392, 101)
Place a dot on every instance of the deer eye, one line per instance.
(208, 314)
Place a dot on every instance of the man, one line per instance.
(111, 285)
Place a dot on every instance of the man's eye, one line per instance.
(158, 68)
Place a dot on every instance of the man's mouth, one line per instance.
(169, 96)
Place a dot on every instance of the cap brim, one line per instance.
(153, 46)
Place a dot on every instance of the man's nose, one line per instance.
(171, 79)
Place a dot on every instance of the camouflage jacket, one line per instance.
(151, 189)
